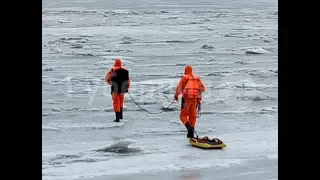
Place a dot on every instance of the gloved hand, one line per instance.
(175, 98)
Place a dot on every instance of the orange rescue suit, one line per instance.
(191, 88)
(118, 78)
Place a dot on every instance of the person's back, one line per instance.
(119, 80)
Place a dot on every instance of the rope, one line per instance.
(196, 133)
(147, 110)
(199, 110)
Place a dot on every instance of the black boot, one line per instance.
(190, 130)
(190, 134)
(121, 116)
(117, 117)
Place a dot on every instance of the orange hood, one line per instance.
(188, 70)
(117, 63)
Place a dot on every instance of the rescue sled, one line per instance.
(207, 143)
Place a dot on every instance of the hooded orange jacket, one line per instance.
(190, 85)
(118, 76)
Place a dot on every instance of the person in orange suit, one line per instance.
(191, 87)
(118, 78)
